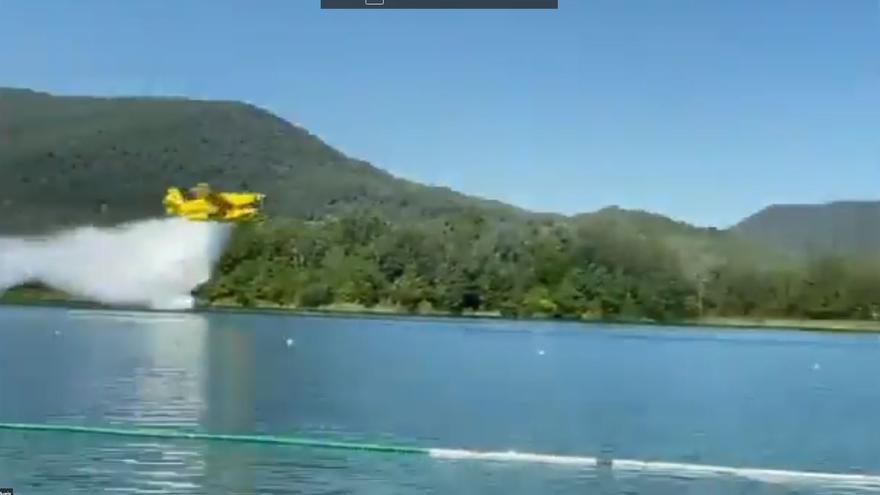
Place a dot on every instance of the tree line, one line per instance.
(547, 268)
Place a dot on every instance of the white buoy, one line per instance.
(816, 367)
(289, 342)
(540, 352)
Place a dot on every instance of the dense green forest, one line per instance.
(597, 269)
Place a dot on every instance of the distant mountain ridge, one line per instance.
(836, 227)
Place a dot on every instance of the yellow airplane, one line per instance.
(200, 203)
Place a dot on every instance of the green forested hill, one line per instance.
(69, 160)
(341, 231)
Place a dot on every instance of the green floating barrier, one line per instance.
(191, 435)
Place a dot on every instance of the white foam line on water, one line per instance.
(777, 476)
(512, 456)
(757, 474)
(131, 316)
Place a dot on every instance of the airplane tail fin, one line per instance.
(173, 200)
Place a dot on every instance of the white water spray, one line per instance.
(152, 263)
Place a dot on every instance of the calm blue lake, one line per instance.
(787, 400)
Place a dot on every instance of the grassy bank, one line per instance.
(709, 321)
(354, 309)
(789, 323)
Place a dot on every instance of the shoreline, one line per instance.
(349, 310)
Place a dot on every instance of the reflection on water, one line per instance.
(229, 383)
(229, 388)
(134, 369)
(188, 378)
(165, 389)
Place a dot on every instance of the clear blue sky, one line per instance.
(702, 110)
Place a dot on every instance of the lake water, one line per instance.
(796, 401)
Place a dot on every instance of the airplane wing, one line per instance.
(218, 200)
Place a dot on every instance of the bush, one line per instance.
(316, 294)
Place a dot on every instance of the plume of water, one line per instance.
(152, 263)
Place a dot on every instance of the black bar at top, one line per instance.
(439, 4)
